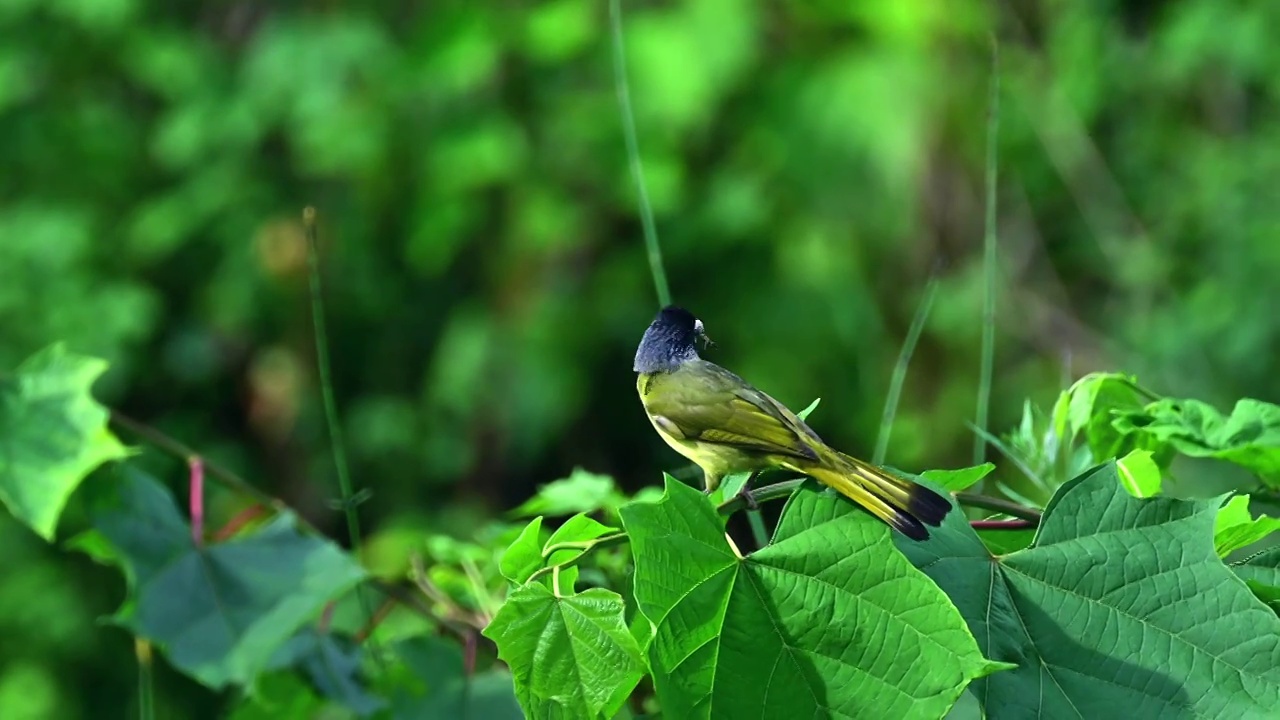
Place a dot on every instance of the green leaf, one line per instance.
(581, 492)
(828, 620)
(729, 488)
(957, 480)
(804, 414)
(281, 695)
(1095, 400)
(1098, 612)
(571, 656)
(576, 534)
(1236, 527)
(523, 557)
(219, 611)
(428, 679)
(1003, 542)
(52, 434)
(1139, 473)
(332, 663)
(1261, 572)
(1249, 437)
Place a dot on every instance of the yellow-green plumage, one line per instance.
(724, 425)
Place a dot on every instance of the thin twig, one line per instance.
(633, 155)
(195, 498)
(1000, 505)
(330, 403)
(1002, 525)
(765, 493)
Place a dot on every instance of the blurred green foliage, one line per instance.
(810, 165)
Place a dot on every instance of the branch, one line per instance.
(764, 493)
(1002, 524)
(1001, 505)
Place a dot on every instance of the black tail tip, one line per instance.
(926, 507)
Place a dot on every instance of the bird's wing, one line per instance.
(709, 404)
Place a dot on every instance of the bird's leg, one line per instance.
(745, 492)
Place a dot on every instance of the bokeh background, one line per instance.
(811, 165)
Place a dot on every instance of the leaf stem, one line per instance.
(196, 498)
(759, 532)
(989, 257)
(1001, 505)
(633, 154)
(585, 545)
(900, 369)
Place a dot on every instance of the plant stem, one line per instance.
(759, 532)
(1001, 505)
(326, 381)
(764, 493)
(1001, 524)
(146, 683)
(330, 404)
(900, 370)
(181, 451)
(195, 497)
(633, 155)
(989, 258)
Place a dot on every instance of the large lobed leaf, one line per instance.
(571, 656)
(1119, 603)
(827, 621)
(219, 611)
(52, 434)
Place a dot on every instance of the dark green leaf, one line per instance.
(52, 434)
(220, 611)
(1262, 574)
(428, 681)
(332, 663)
(571, 656)
(1097, 611)
(957, 480)
(827, 620)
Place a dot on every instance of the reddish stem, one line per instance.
(237, 522)
(378, 616)
(469, 653)
(326, 617)
(197, 498)
(1002, 524)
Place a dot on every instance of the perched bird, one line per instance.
(725, 425)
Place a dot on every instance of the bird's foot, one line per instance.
(748, 498)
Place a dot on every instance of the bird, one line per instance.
(724, 425)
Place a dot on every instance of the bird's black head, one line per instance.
(671, 340)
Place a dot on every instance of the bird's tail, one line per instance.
(905, 506)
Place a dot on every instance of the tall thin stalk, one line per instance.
(349, 501)
(633, 155)
(989, 258)
(900, 369)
